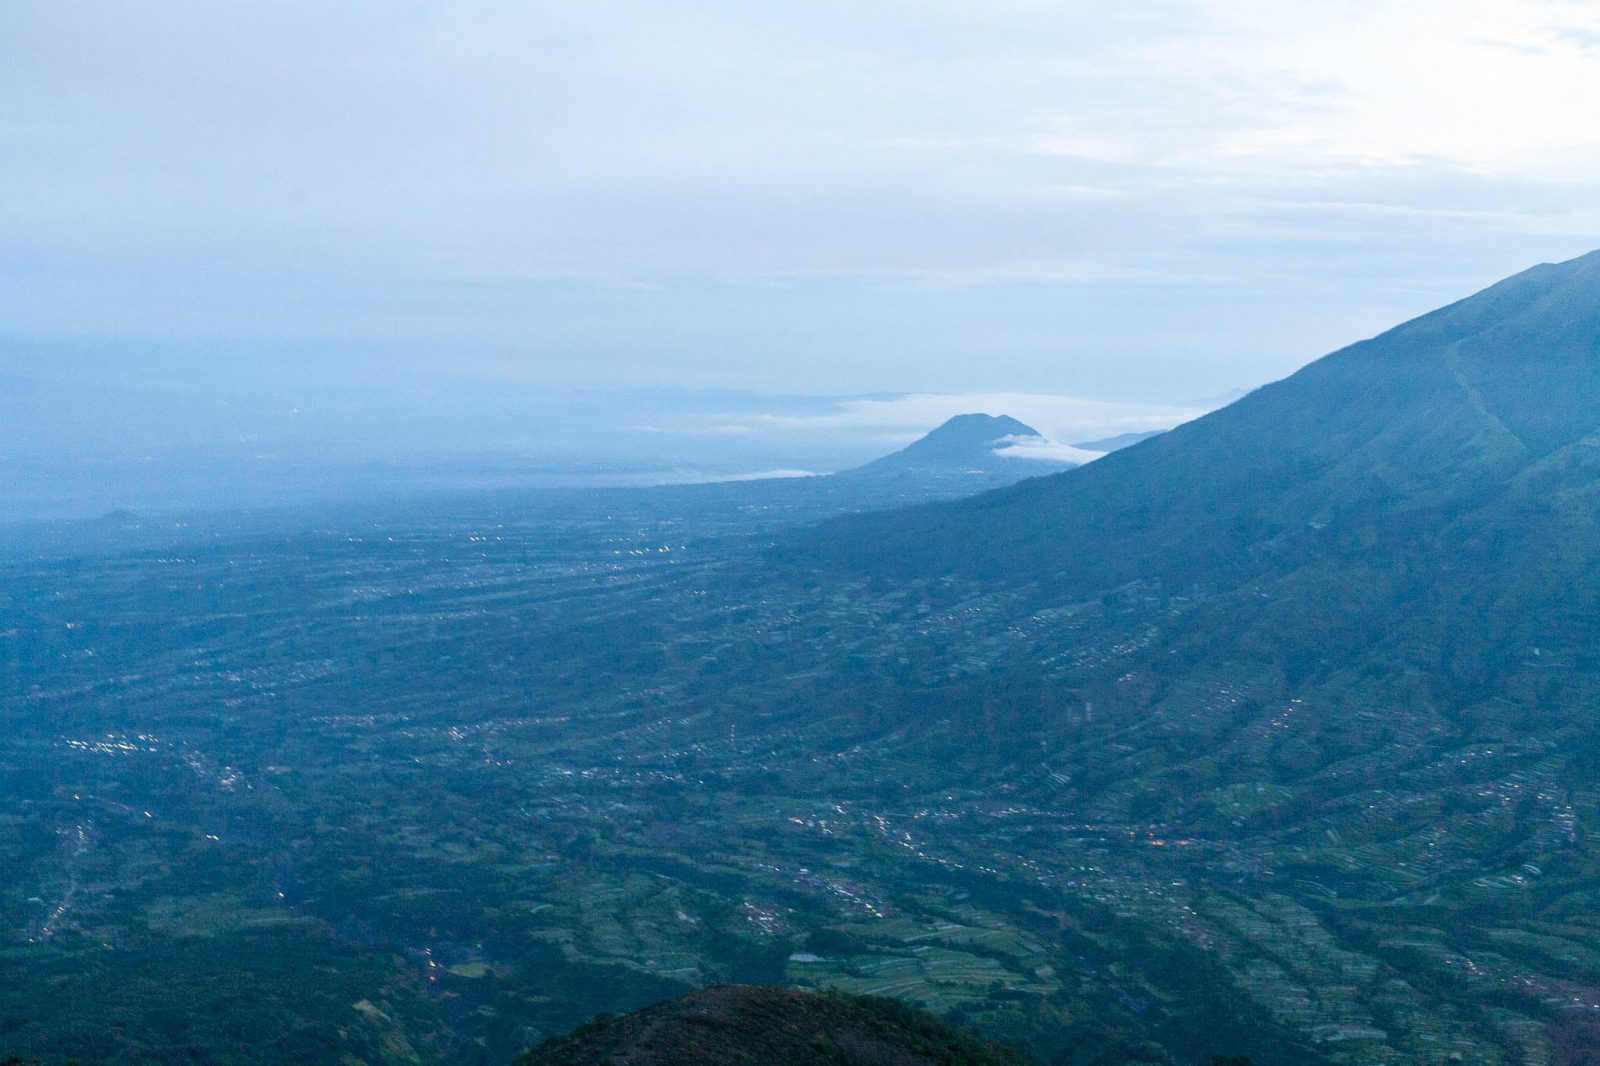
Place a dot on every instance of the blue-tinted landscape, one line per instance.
(825, 534)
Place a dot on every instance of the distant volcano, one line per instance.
(964, 447)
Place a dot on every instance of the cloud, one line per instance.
(768, 475)
(938, 195)
(1269, 93)
(1045, 451)
(709, 477)
(1585, 37)
(903, 418)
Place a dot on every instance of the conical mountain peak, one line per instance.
(965, 444)
(981, 426)
(968, 437)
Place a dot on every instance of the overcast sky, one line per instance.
(1147, 201)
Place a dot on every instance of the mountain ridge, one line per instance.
(1280, 742)
(1422, 416)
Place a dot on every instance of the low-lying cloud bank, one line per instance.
(1045, 451)
(862, 428)
(1058, 417)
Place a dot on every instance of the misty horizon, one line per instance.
(86, 444)
(989, 532)
(568, 237)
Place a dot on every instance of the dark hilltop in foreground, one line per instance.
(742, 1025)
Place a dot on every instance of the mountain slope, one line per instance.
(1411, 426)
(1337, 642)
(1278, 742)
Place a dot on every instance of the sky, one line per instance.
(614, 201)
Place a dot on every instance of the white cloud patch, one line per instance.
(709, 477)
(1045, 450)
(1259, 90)
(768, 475)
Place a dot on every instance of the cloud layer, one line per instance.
(1047, 451)
(902, 419)
(1169, 197)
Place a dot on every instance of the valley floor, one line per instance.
(437, 791)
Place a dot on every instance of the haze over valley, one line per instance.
(80, 445)
(932, 534)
